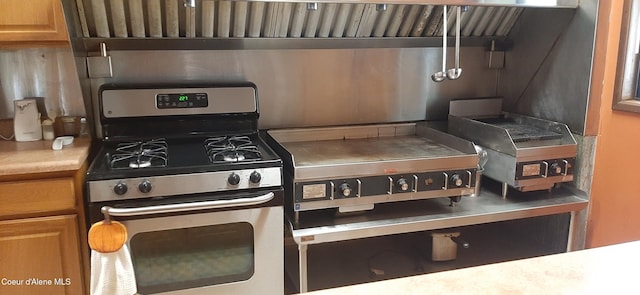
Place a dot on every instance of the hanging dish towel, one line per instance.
(111, 267)
(112, 273)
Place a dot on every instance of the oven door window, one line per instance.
(193, 257)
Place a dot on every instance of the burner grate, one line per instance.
(140, 154)
(226, 149)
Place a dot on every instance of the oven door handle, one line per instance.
(181, 207)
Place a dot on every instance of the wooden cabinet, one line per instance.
(43, 234)
(40, 256)
(32, 22)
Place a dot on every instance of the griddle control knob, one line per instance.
(456, 179)
(345, 189)
(234, 179)
(403, 185)
(255, 177)
(556, 168)
(120, 188)
(145, 186)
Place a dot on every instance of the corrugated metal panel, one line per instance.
(257, 19)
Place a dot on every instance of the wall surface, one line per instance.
(40, 72)
(615, 199)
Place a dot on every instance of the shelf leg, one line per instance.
(302, 260)
(505, 188)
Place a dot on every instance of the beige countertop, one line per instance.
(38, 156)
(605, 270)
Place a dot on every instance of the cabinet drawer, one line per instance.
(36, 196)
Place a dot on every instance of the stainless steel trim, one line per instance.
(333, 188)
(566, 167)
(390, 191)
(171, 185)
(546, 169)
(182, 207)
(257, 42)
(359, 188)
(470, 175)
(505, 189)
(367, 200)
(302, 270)
(120, 103)
(446, 181)
(415, 183)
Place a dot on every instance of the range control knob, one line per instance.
(456, 180)
(234, 179)
(120, 188)
(255, 177)
(403, 185)
(555, 168)
(345, 189)
(145, 186)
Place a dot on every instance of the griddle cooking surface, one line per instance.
(340, 152)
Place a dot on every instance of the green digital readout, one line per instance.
(182, 100)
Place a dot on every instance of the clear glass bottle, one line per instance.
(84, 128)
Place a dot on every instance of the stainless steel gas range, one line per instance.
(184, 168)
(352, 168)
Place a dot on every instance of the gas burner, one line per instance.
(225, 149)
(139, 154)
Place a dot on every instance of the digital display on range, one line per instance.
(182, 100)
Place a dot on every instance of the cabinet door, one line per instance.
(40, 256)
(36, 21)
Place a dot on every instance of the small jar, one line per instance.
(47, 130)
(68, 126)
(84, 131)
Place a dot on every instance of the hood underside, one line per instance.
(258, 19)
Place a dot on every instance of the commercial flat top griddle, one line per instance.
(353, 167)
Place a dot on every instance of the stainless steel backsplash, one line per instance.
(40, 72)
(318, 87)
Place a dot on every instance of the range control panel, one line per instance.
(383, 185)
(182, 100)
(545, 168)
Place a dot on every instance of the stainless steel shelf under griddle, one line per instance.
(432, 214)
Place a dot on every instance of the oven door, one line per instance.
(236, 251)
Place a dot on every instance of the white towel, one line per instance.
(112, 273)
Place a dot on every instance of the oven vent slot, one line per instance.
(256, 19)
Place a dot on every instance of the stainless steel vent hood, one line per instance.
(266, 24)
